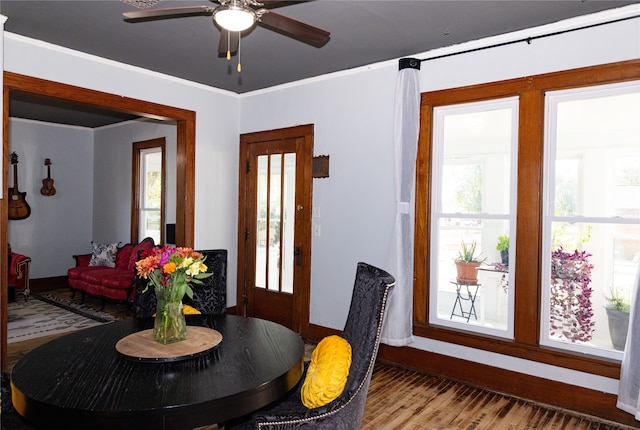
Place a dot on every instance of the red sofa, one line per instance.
(115, 283)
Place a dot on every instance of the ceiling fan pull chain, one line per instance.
(228, 45)
(239, 65)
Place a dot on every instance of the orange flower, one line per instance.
(146, 266)
(169, 268)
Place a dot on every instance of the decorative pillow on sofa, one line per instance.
(123, 256)
(327, 372)
(103, 254)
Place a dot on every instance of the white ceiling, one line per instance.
(362, 32)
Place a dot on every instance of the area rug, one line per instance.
(46, 315)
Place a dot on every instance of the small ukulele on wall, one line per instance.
(47, 184)
(18, 206)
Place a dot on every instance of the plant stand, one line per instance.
(468, 296)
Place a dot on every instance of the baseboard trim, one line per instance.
(46, 284)
(317, 332)
(532, 388)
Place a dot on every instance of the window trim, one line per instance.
(136, 163)
(531, 91)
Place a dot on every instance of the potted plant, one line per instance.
(467, 263)
(618, 308)
(503, 247)
(570, 298)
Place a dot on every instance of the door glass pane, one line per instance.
(275, 222)
(592, 216)
(261, 228)
(273, 234)
(288, 221)
(473, 206)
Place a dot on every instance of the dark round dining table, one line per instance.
(80, 381)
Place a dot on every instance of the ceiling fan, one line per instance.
(235, 16)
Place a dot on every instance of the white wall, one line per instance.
(217, 125)
(582, 48)
(59, 225)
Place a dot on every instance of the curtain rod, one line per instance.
(528, 39)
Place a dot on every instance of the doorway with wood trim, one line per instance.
(185, 121)
(274, 226)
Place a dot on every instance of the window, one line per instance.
(147, 217)
(546, 161)
(591, 214)
(474, 153)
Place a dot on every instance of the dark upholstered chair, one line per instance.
(362, 331)
(210, 297)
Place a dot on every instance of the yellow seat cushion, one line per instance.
(327, 372)
(190, 310)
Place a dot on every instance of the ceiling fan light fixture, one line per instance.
(234, 17)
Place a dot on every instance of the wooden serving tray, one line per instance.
(140, 346)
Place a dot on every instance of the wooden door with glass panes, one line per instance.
(274, 251)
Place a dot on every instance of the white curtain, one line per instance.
(629, 391)
(397, 329)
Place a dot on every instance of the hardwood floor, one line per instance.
(404, 399)
(410, 400)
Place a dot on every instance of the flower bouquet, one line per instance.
(171, 271)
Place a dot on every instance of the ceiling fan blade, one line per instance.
(173, 12)
(272, 4)
(298, 30)
(229, 41)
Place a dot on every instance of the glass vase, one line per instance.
(169, 325)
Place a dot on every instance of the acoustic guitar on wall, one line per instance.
(47, 184)
(18, 206)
